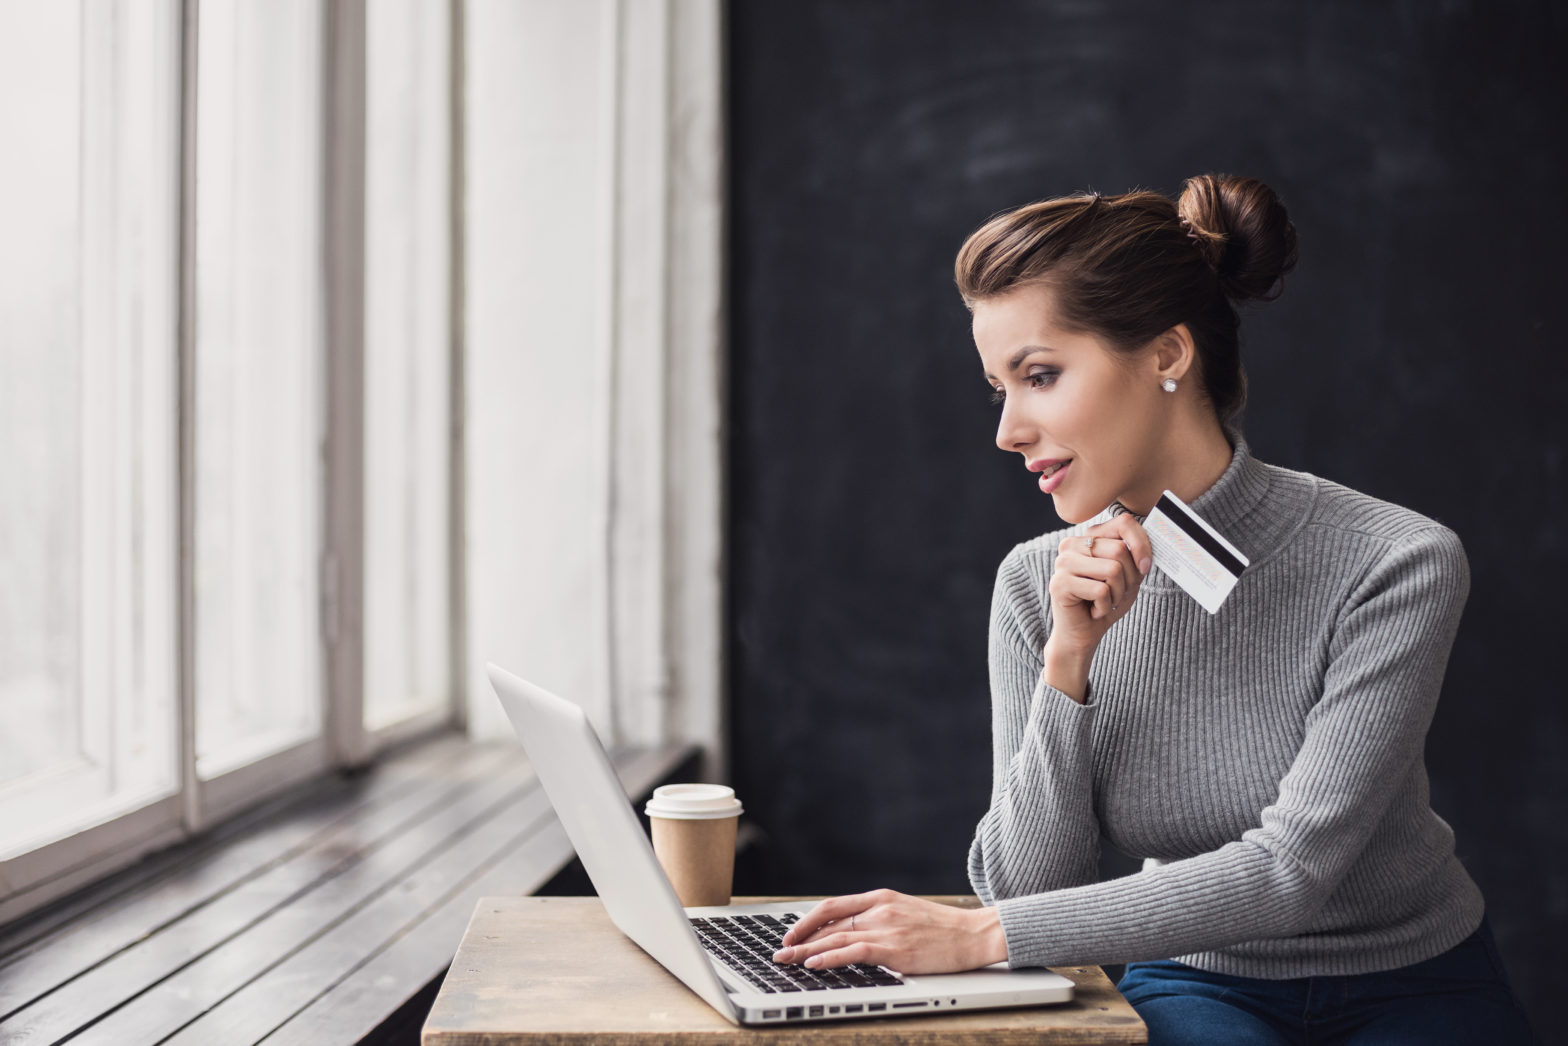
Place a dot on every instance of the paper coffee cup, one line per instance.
(694, 839)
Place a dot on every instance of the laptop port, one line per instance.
(772, 1015)
(908, 1005)
(815, 1011)
(875, 1007)
(853, 1007)
(832, 1009)
(794, 1012)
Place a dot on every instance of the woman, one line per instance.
(1266, 761)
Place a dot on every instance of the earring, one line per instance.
(1169, 384)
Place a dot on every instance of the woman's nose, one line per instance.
(1012, 431)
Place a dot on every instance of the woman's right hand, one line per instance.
(1096, 580)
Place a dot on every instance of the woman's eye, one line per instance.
(1040, 379)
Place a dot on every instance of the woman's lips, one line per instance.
(1049, 480)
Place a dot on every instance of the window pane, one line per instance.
(407, 362)
(258, 379)
(87, 413)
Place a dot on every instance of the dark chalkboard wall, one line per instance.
(1417, 354)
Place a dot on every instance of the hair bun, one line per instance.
(1242, 228)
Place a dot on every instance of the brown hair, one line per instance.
(1128, 268)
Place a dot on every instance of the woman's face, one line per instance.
(1088, 420)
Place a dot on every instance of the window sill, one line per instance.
(323, 916)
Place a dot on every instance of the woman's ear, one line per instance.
(1175, 353)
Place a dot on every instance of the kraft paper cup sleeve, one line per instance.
(694, 838)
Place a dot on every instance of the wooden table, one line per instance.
(521, 977)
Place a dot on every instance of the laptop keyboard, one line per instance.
(746, 943)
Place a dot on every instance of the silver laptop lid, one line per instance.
(581, 784)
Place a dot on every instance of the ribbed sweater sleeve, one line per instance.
(1040, 832)
(1385, 661)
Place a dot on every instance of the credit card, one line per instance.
(1193, 553)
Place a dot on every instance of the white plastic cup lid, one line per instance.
(693, 802)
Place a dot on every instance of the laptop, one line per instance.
(724, 954)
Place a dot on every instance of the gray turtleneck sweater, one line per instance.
(1265, 762)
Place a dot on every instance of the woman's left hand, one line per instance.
(903, 933)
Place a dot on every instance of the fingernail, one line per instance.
(814, 961)
(1145, 563)
(782, 955)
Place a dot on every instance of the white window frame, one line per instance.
(659, 579)
(36, 877)
(667, 553)
(649, 668)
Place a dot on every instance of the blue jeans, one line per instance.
(1461, 997)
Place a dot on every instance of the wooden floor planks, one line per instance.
(291, 979)
(335, 863)
(288, 813)
(355, 1005)
(41, 959)
(317, 925)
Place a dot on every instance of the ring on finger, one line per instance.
(1088, 544)
(852, 924)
